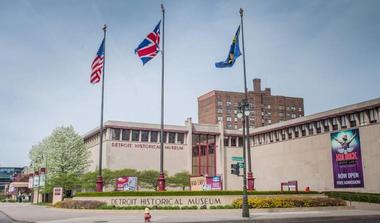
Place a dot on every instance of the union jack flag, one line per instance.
(97, 65)
(150, 46)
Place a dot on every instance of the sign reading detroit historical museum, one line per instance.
(347, 159)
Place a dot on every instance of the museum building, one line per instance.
(337, 149)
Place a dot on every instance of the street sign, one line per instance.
(237, 158)
(241, 165)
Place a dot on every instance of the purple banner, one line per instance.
(347, 159)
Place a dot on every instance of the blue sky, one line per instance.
(324, 51)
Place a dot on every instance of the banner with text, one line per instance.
(126, 183)
(347, 159)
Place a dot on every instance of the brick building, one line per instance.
(265, 108)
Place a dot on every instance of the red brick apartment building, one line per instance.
(265, 108)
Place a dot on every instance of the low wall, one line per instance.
(208, 200)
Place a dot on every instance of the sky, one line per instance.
(324, 51)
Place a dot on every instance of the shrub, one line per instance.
(355, 196)
(182, 193)
(222, 207)
(77, 204)
(287, 202)
(189, 207)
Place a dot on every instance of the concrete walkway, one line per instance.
(40, 214)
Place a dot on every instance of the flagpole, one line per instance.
(248, 141)
(161, 178)
(99, 180)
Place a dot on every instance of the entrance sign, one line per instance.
(215, 183)
(196, 183)
(347, 159)
(126, 183)
(205, 183)
(57, 194)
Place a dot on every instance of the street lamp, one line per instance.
(242, 112)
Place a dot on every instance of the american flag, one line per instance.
(97, 65)
(150, 46)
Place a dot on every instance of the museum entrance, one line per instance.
(203, 158)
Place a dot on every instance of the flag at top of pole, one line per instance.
(233, 54)
(97, 65)
(150, 46)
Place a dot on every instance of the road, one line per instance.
(40, 214)
(4, 218)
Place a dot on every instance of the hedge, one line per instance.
(288, 202)
(78, 204)
(181, 193)
(355, 196)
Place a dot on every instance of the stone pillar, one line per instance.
(189, 142)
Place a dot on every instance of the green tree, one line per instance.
(65, 156)
(180, 179)
(149, 177)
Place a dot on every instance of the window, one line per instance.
(228, 103)
(300, 109)
(335, 124)
(125, 135)
(135, 135)
(294, 116)
(290, 133)
(280, 107)
(318, 127)
(352, 120)
(225, 141)
(220, 110)
(283, 135)
(281, 114)
(220, 103)
(311, 129)
(293, 108)
(326, 125)
(236, 126)
(268, 106)
(373, 116)
(303, 130)
(228, 125)
(228, 119)
(144, 136)
(171, 137)
(235, 119)
(115, 134)
(220, 118)
(233, 141)
(296, 132)
(153, 136)
(180, 138)
(165, 138)
(343, 121)
(240, 141)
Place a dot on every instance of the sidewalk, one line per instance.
(40, 214)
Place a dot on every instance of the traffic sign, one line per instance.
(237, 158)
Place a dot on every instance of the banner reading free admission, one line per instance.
(347, 159)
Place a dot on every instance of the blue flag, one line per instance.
(233, 54)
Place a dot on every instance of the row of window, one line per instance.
(317, 127)
(135, 135)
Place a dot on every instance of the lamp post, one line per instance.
(250, 175)
(242, 114)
